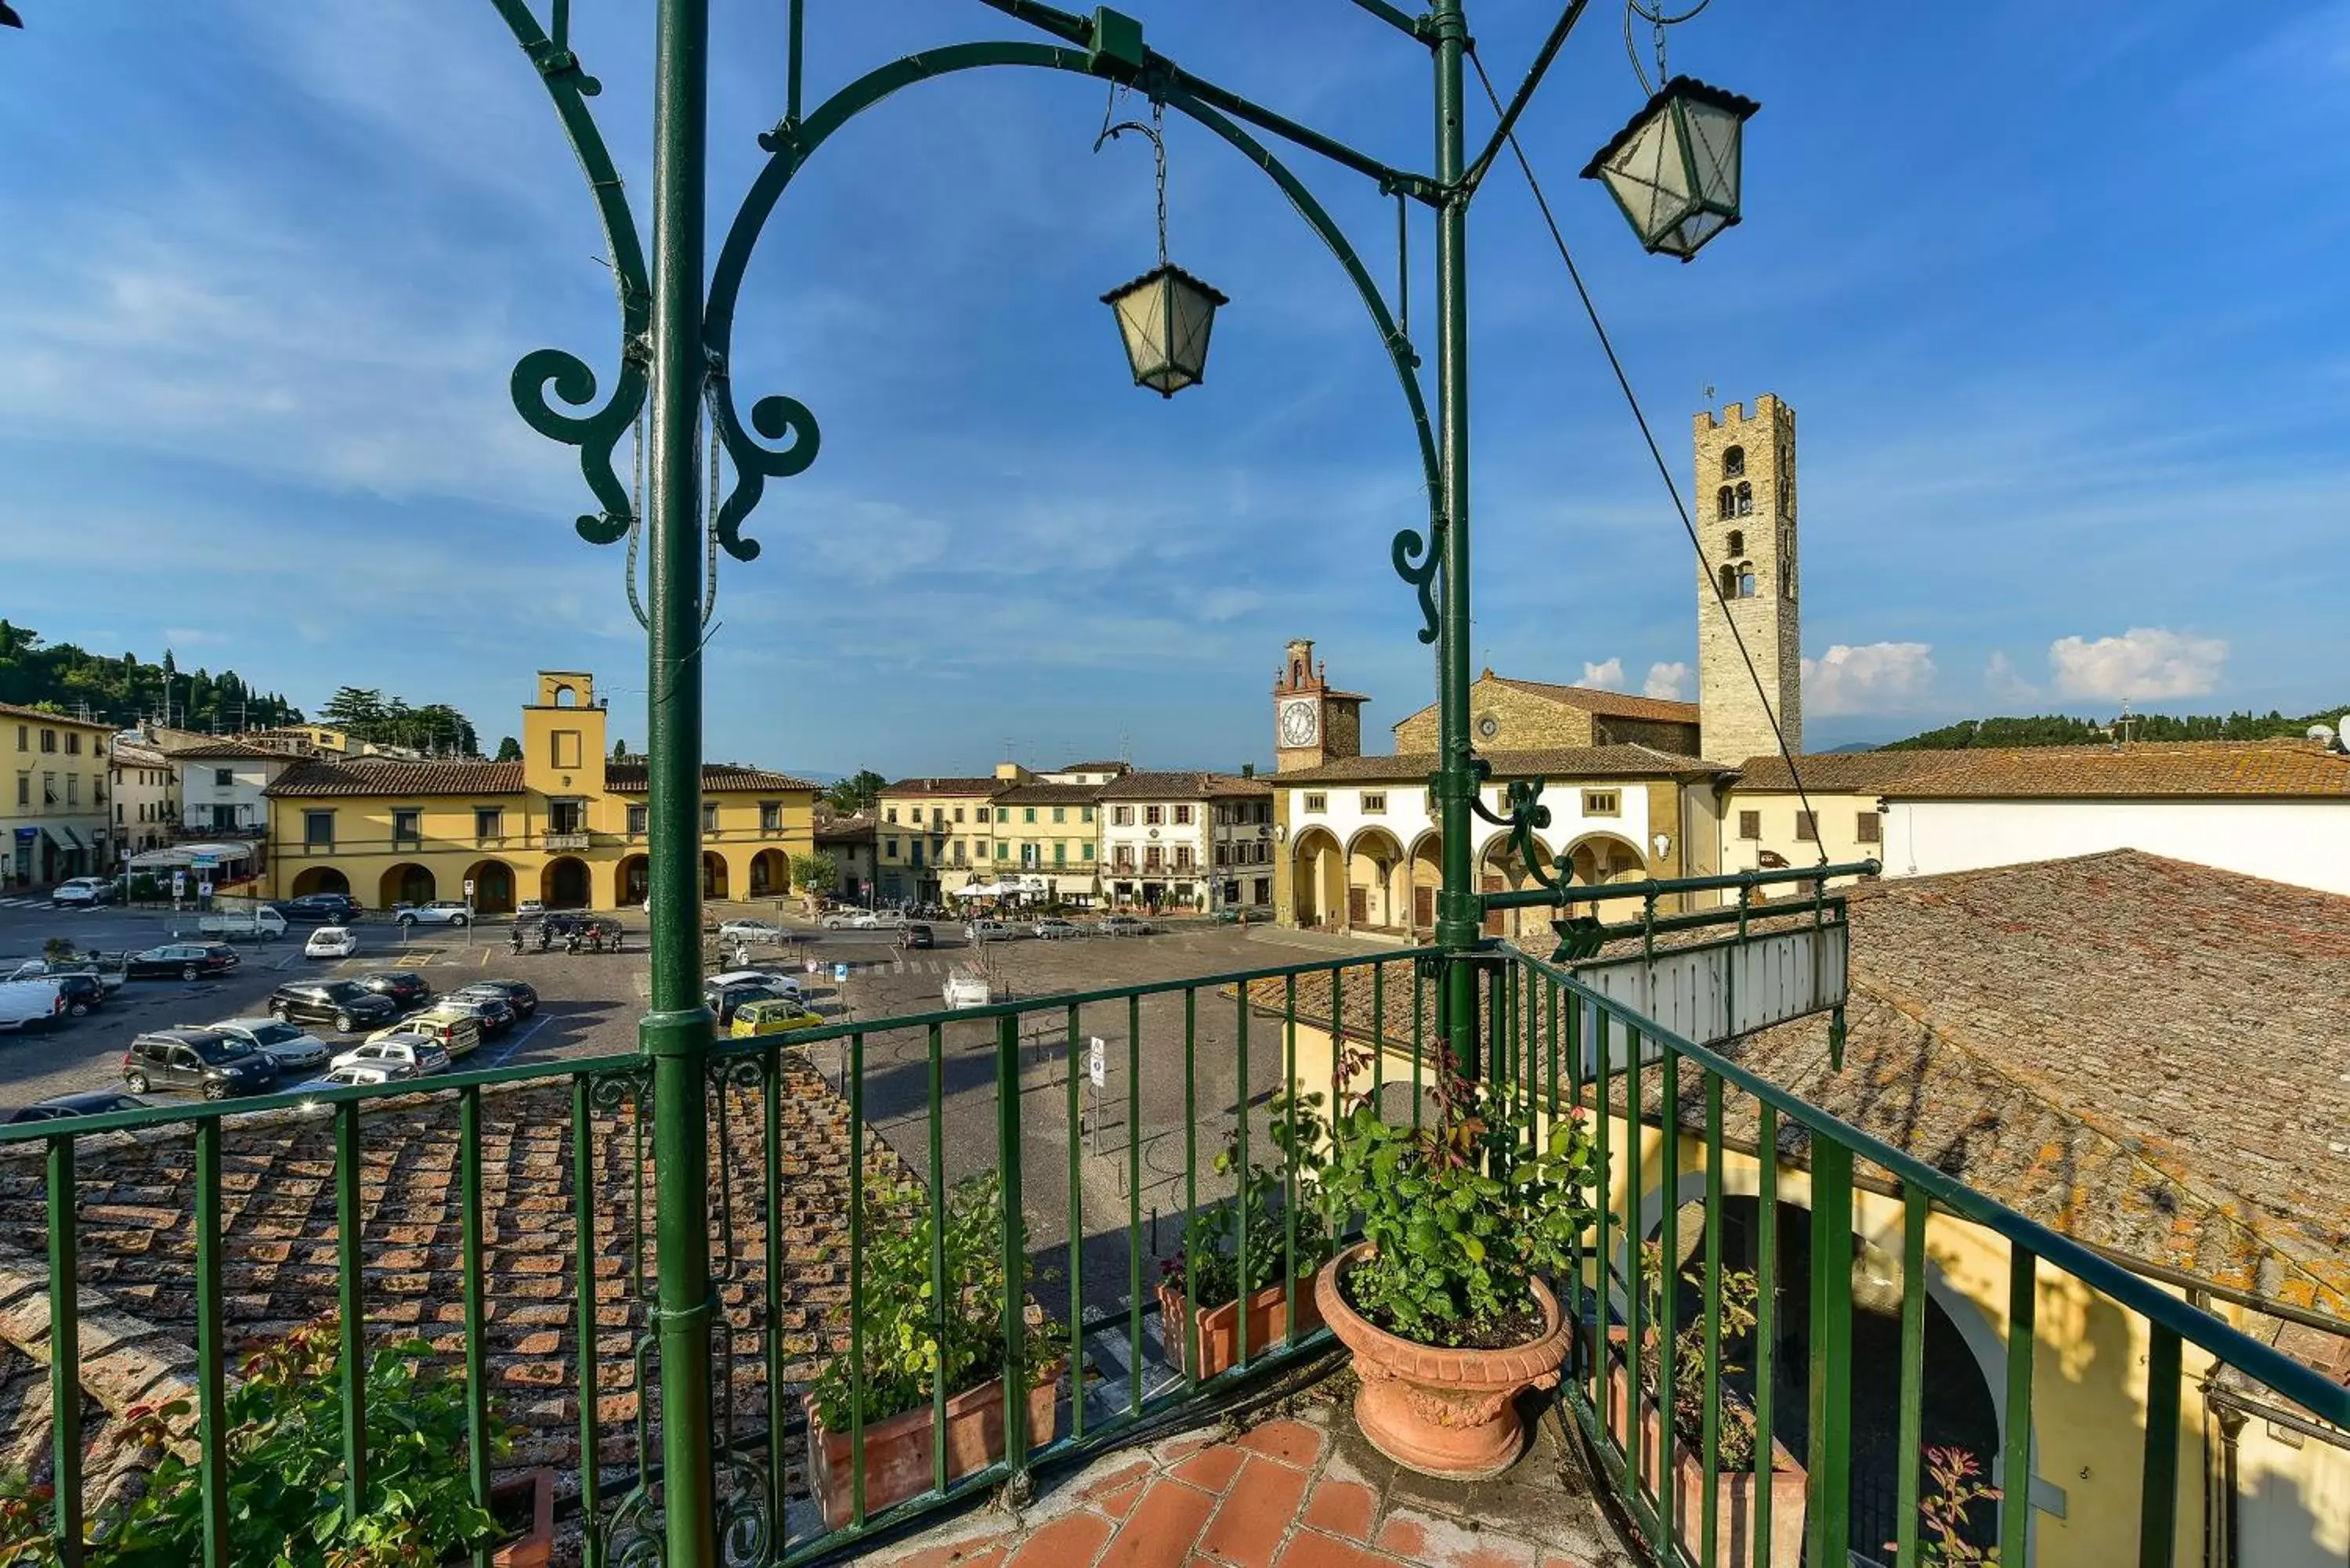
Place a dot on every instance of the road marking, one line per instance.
(512, 1043)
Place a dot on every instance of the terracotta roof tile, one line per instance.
(1611, 704)
(42, 715)
(1837, 772)
(312, 777)
(956, 786)
(1184, 786)
(2143, 768)
(1561, 762)
(717, 778)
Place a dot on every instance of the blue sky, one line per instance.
(2059, 307)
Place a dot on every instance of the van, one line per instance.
(261, 925)
(30, 1003)
(453, 1032)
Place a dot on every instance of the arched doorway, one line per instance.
(635, 881)
(713, 875)
(565, 884)
(1424, 875)
(1501, 869)
(1374, 877)
(1319, 879)
(409, 883)
(1603, 858)
(771, 874)
(321, 880)
(494, 886)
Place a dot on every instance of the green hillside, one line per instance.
(126, 689)
(2063, 730)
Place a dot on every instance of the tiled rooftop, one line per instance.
(2140, 769)
(1184, 786)
(1559, 763)
(1837, 772)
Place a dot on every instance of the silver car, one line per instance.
(288, 1045)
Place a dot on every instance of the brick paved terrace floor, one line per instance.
(1294, 1486)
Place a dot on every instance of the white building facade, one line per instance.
(1187, 841)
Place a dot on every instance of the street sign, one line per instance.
(469, 887)
(204, 888)
(201, 861)
(840, 974)
(1096, 1062)
(179, 884)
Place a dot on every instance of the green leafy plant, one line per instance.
(1736, 1438)
(908, 1340)
(1954, 1483)
(285, 1479)
(58, 950)
(1462, 1213)
(1210, 1253)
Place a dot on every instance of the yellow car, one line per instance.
(781, 1015)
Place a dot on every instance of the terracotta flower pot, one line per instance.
(1268, 1324)
(526, 1500)
(897, 1450)
(1444, 1412)
(1733, 1491)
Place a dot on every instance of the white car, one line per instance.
(345, 1077)
(81, 892)
(846, 921)
(1058, 930)
(989, 932)
(413, 1051)
(331, 942)
(439, 912)
(529, 909)
(766, 977)
(285, 1043)
(751, 931)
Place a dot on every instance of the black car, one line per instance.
(493, 1015)
(406, 988)
(918, 935)
(520, 995)
(346, 1004)
(212, 1064)
(320, 908)
(83, 993)
(181, 961)
(92, 1103)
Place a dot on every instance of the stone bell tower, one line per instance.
(1745, 496)
(1311, 722)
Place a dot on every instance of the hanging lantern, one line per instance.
(1674, 170)
(1164, 316)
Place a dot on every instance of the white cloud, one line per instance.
(2143, 662)
(1669, 681)
(1874, 678)
(2003, 683)
(1606, 675)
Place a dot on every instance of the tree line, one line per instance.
(2064, 730)
(367, 714)
(122, 691)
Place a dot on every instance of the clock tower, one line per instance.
(1312, 723)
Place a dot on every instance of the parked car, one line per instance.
(919, 935)
(989, 932)
(320, 908)
(439, 912)
(108, 971)
(181, 961)
(404, 986)
(751, 931)
(345, 1004)
(81, 892)
(1126, 926)
(213, 1065)
(360, 1076)
(520, 995)
(726, 1001)
(766, 977)
(89, 1103)
(261, 925)
(846, 921)
(775, 1015)
(417, 1053)
(529, 908)
(881, 919)
(331, 942)
(30, 1003)
(455, 1029)
(290, 1046)
(967, 990)
(1058, 930)
(493, 1015)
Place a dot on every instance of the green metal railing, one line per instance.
(1102, 1180)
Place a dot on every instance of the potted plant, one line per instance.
(285, 1479)
(911, 1343)
(1954, 1484)
(1736, 1436)
(1208, 1257)
(1442, 1302)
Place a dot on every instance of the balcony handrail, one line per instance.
(2301, 1384)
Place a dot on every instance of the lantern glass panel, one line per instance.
(1676, 167)
(1164, 318)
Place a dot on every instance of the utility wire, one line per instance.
(1664, 472)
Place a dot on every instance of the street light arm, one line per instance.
(1402, 21)
(1525, 95)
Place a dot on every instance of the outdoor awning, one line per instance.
(73, 838)
(183, 855)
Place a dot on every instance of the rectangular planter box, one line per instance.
(897, 1450)
(1268, 1324)
(529, 1498)
(1733, 1496)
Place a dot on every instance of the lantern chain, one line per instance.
(1655, 16)
(1156, 131)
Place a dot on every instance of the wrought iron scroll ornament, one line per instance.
(1527, 816)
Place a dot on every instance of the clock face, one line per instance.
(1301, 721)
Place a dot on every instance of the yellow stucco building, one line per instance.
(55, 822)
(565, 826)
